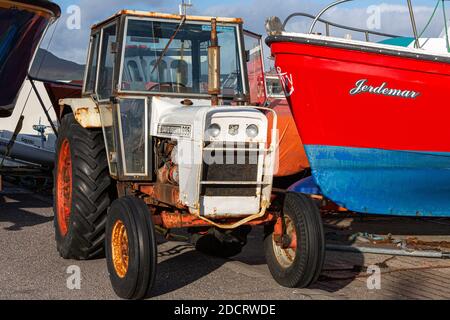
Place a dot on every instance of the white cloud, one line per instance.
(396, 8)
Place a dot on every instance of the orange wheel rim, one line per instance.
(286, 256)
(119, 243)
(64, 187)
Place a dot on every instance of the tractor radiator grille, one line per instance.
(230, 171)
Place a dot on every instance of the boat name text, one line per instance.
(362, 87)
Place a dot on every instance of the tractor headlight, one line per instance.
(252, 131)
(214, 130)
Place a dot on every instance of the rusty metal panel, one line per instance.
(85, 111)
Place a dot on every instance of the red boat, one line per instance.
(373, 117)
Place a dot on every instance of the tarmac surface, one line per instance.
(31, 268)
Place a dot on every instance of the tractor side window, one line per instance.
(133, 129)
(107, 118)
(255, 68)
(92, 64)
(106, 69)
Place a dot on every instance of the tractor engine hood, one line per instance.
(22, 26)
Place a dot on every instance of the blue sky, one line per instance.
(72, 44)
(201, 3)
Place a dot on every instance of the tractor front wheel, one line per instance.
(295, 247)
(131, 249)
(82, 191)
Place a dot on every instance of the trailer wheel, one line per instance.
(82, 191)
(131, 249)
(221, 243)
(297, 263)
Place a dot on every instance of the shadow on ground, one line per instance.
(17, 210)
(185, 267)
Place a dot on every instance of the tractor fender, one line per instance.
(85, 111)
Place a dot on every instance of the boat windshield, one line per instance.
(182, 67)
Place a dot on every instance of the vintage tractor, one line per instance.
(164, 137)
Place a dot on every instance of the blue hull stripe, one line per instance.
(382, 181)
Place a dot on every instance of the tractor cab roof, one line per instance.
(166, 16)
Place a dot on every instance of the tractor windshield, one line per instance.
(183, 68)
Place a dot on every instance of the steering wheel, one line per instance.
(166, 84)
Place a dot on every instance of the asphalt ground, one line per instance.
(31, 268)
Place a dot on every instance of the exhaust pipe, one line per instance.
(214, 65)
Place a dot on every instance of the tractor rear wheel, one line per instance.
(221, 243)
(296, 259)
(131, 249)
(82, 191)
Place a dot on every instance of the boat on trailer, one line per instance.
(372, 116)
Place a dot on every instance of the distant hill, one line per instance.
(48, 66)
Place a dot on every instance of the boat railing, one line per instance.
(366, 32)
(329, 24)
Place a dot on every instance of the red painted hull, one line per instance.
(327, 114)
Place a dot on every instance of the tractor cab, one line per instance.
(146, 53)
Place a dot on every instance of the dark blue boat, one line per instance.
(22, 26)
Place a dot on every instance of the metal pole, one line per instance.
(414, 26)
(385, 251)
(214, 65)
(13, 139)
(43, 106)
(323, 11)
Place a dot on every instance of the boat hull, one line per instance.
(27, 152)
(374, 124)
(383, 181)
(22, 25)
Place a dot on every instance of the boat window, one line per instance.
(106, 69)
(92, 64)
(184, 66)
